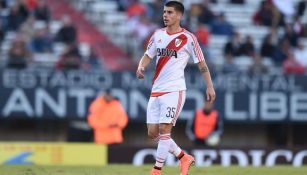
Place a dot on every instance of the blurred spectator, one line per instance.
(301, 7)
(237, 1)
(42, 12)
(206, 127)
(71, 58)
(267, 47)
(136, 8)
(248, 48)
(68, 32)
(264, 15)
(207, 15)
(153, 8)
(300, 54)
(92, 60)
(41, 42)
(193, 16)
(268, 15)
(2, 32)
(233, 46)
(203, 35)
(19, 56)
(298, 27)
(258, 67)
(3, 3)
(141, 28)
(281, 52)
(108, 118)
(221, 27)
(291, 35)
(292, 66)
(17, 15)
(27, 28)
(229, 66)
(30, 4)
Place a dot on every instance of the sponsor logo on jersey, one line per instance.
(166, 52)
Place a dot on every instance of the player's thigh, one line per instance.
(153, 111)
(171, 105)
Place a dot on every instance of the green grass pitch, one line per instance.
(144, 170)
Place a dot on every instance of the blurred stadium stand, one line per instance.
(111, 37)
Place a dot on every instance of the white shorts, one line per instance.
(165, 108)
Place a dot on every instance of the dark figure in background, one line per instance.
(42, 12)
(19, 56)
(68, 33)
(267, 47)
(17, 15)
(71, 58)
(233, 46)
(248, 48)
(206, 127)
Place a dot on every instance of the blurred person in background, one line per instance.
(207, 15)
(247, 48)
(19, 56)
(233, 46)
(41, 42)
(27, 28)
(267, 47)
(68, 32)
(71, 58)
(292, 66)
(290, 35)
(108, 118)
(221, 27)
(42, 12)
(2, 32)
(300, 54)
(281, 52)
(206, 127)
(258, 67)
(17, 15)
(173, 46)
(229, 65)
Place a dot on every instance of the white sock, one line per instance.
(174, 148)
(163, 149)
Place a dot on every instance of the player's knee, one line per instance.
(152, 134)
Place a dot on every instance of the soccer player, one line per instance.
(173, 46)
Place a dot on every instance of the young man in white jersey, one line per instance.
(173, 46)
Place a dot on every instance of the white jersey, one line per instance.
(173, 52)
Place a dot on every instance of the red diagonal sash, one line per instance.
(164, 59)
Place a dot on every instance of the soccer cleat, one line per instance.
(155, 172)
(185, 162)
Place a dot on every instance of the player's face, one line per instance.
(171, 16)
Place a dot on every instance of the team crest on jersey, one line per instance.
(178, 42)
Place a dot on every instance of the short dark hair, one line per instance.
(178, 6)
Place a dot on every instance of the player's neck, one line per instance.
(173, 29)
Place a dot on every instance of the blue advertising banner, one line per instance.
(43, 93)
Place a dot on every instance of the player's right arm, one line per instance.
(142, 65)
(145, 60)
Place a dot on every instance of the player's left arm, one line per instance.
(210, 92)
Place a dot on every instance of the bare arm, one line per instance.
(145, 60)
(210, 92)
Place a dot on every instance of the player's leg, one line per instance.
(152, 118)
(172, 107)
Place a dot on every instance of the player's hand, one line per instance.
(210, 94)
(140, 72)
